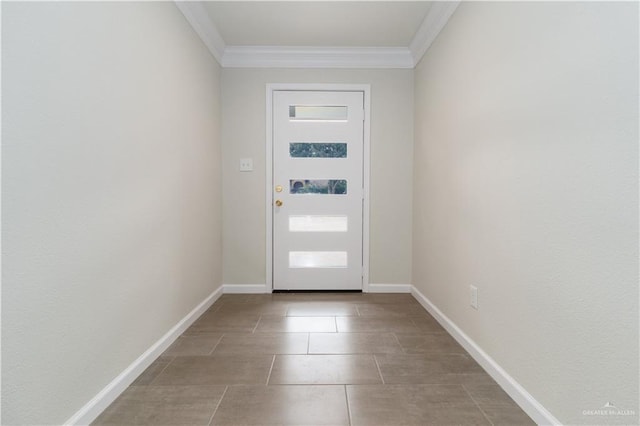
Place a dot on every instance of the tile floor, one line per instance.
(314, 359)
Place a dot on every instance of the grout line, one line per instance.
(477, 405)
(218, 405)
(273, 361)
(395, 335)
(335, 323)
(375, 359)
(256, 326)
(346, 397)
(161, 371)
(308, 343)
(216, 345)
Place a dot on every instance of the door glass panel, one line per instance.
(317, 259)
(318, 150)
(318, 186)
(317, 113)
(318, 223)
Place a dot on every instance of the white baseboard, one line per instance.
(390, 288)
(528, 403)
(263, 288)
(106, 396)
(245, 288)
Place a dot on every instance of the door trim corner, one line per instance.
(366, 89)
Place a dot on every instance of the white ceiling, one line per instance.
(318, 34)
(317, 23)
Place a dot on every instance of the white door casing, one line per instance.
(318, 176)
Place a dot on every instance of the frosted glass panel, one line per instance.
(319, 113)
(318, 150)
(318, 223)
(318, 186)
(317, 259)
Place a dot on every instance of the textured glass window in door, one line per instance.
(317, 223)
(318, 113)
(318, 186)
(318, 150)
(317, 259)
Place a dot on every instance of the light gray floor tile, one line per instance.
(431, 368)
(388, 310)
(380, 325)
(263, 343)
(380, 298)
(259, 344)
(336, 297)
(324, 369)
(488, 394)
(428, 324)
(506, 415)
(293, 297)
(283, 405)
(412, 405)
(258, 308)
(429, 342)
(215, 322)
(216, 370)
(202, 344)
(321, 309)
(296, 325)
(153, 371)
(245, 298)
(499, 408)
(353, 343)
(163, 405)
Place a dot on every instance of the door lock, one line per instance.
(279, 203)
(279, 188)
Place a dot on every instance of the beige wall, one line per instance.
(111, 194)
(526, 186)
(243, 135)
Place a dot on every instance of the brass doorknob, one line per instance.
(278, 203)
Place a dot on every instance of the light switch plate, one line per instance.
(246, 164)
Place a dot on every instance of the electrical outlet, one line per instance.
(474, 296)
(246, 164)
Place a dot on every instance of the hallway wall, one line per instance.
(111, 194)
(526, 186)
(243, 135)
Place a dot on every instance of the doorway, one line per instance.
(318, 204)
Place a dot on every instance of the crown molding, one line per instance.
(316, 57)
(437, 17)
(196, 14)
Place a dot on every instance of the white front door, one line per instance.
(317, 190)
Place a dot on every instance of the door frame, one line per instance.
(366, 169)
